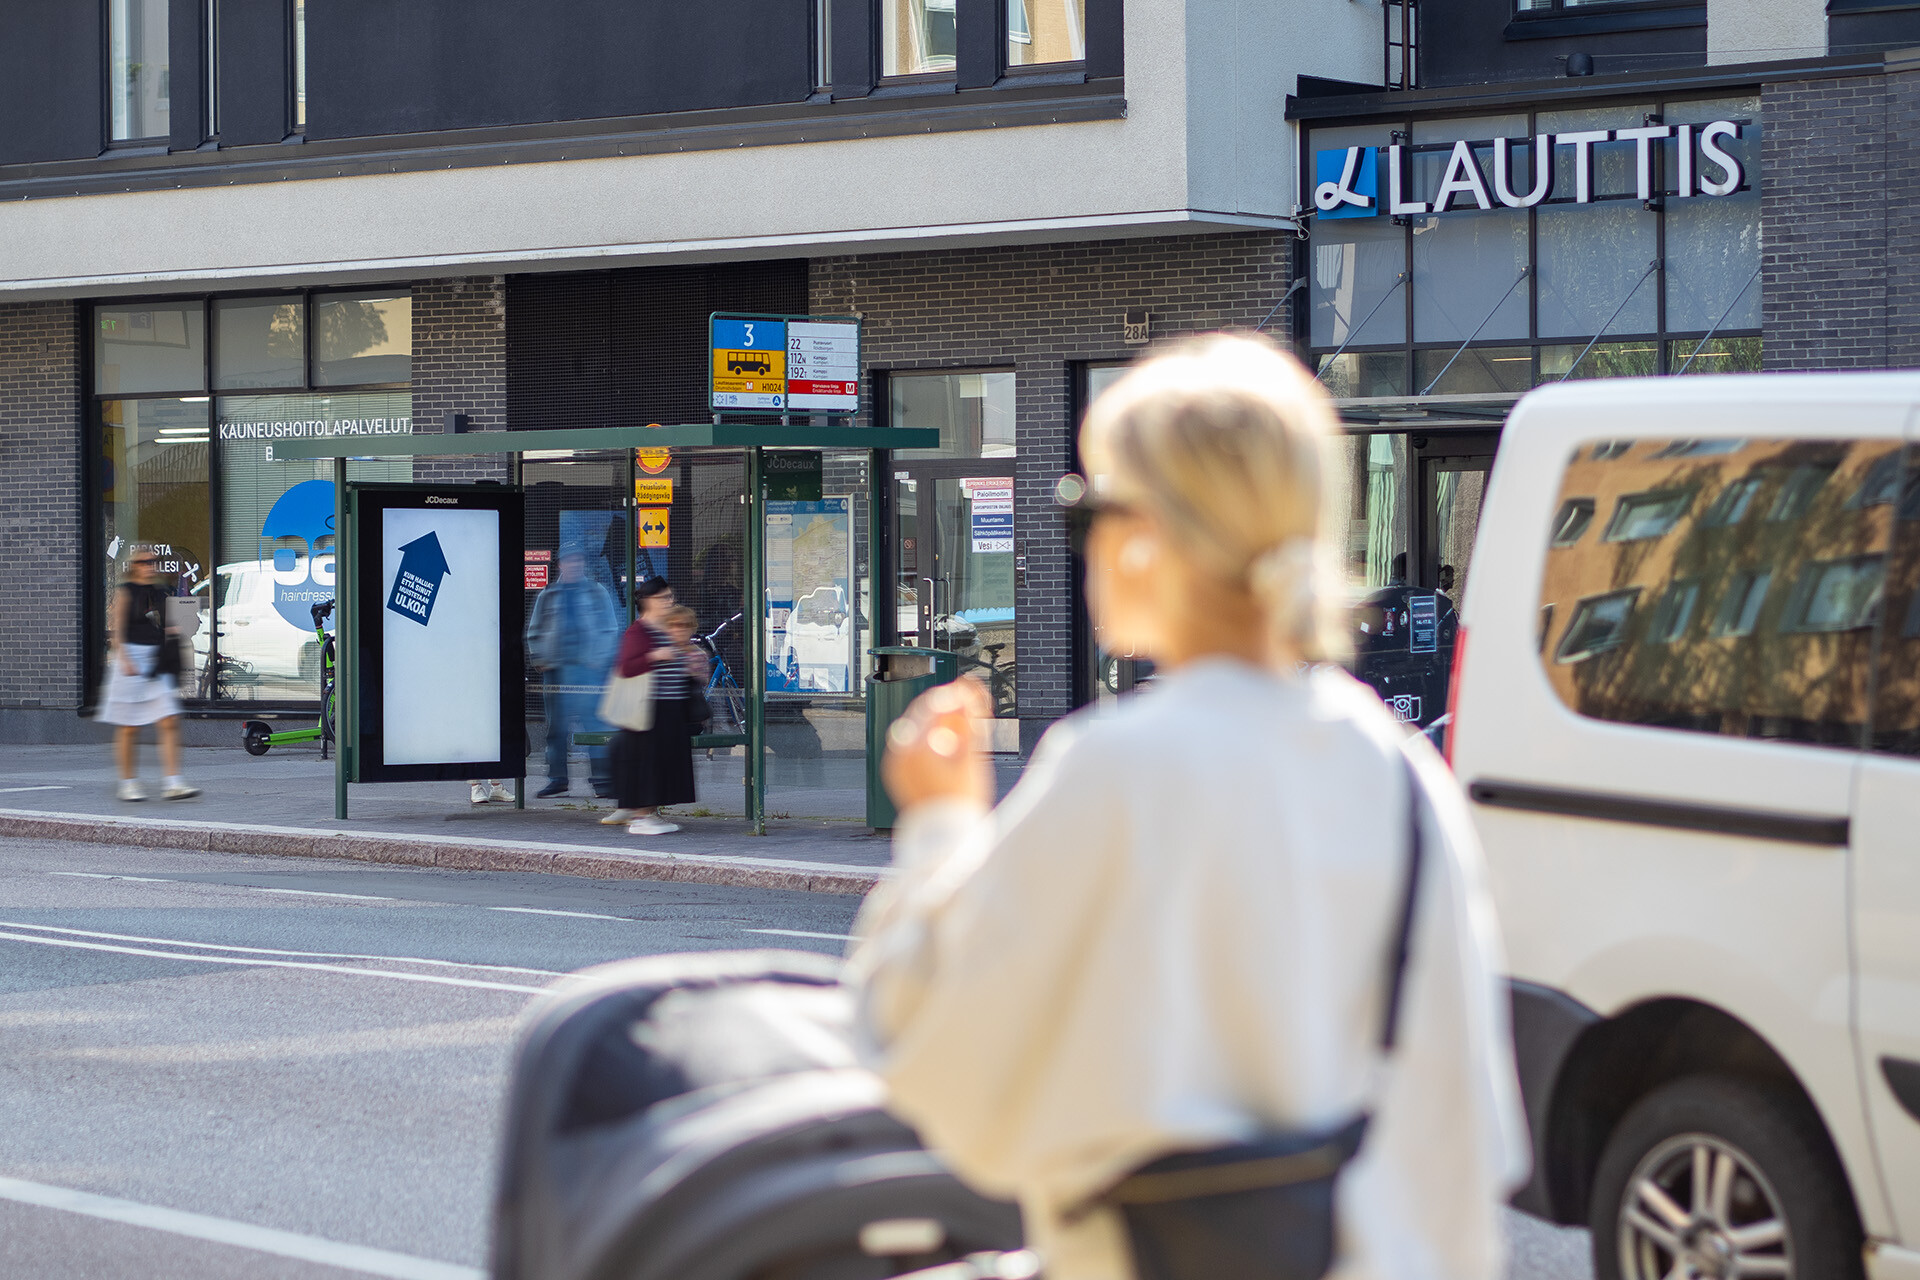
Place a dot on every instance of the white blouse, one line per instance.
(1173, 933)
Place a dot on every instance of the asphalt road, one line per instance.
(215, 1066)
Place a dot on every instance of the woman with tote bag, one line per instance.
(1215, 990)
(652, 757)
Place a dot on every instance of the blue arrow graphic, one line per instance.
(422, 566)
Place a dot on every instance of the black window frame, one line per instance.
(158, 143)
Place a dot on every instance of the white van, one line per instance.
(1687, 708)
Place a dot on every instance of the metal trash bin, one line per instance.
(900, 674)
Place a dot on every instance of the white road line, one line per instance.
(95, 875)
(572, 915)
(243, 1235)
(802, 933)
(433, 978)
(7, 791)
(275, 951)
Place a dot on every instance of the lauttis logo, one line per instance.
(1346, 183)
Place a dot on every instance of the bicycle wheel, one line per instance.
(729, 707)
(326, 712)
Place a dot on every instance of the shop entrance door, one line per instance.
(1452, 474)
(954, 557)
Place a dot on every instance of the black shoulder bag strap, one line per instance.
(1409, 901)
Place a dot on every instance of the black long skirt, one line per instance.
(655, 767)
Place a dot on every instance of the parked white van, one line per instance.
(1687, 708)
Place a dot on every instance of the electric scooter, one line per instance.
(260, 736)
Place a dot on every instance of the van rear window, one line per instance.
(1735, 587)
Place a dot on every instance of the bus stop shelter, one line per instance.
(513, 447)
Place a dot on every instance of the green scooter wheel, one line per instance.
(256, 738)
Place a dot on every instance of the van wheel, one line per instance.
(1712, 1177)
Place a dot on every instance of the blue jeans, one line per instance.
(569, 713)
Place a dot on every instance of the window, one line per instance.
(918, 37)
(142, 349)
(1599, 624)
(1698, 448)
(362, 339)
(822, 44)
(1572, 521)
(1731, 503)
(1716, 649)
(300, 66)
(1740, 606)
(1836, 595)
(1610, 449)
(210, 68)
(1040, 31)
(260, 342)
(974, 412)
(1647, 515)
(1674, 614)
(139, 84)
(1797, 492)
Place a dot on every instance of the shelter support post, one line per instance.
(345, 721)
(754, 616)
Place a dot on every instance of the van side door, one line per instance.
(1886, 843)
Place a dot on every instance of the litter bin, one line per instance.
(899, 676)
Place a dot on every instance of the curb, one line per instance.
(449, 853)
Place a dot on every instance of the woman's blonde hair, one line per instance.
(680, 615)
(1220, 440)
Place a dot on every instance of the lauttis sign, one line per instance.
(1670, 160)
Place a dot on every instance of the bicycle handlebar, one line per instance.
(321, 612)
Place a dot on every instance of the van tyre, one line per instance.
(1772, 1199)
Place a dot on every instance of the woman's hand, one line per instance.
(932, 753)
(666, 653)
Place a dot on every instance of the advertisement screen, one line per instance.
(438, 628)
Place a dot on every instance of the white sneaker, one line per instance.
(178, 790)
(618, 818)
(130, 789)
(502, 793)
(481, 793)
(650, 825)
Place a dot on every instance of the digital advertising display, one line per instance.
(438, 586)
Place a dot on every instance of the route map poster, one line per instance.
(809, 620)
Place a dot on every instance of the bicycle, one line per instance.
(259, 736)
(731, 706)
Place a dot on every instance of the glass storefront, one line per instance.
(246, 541)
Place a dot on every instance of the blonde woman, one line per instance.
(137, 692)
(1172, 936)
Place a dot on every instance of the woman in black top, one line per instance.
(138, 690)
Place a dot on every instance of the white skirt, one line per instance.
(137, 699)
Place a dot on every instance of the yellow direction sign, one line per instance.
(652, 491)
(653, 527)
(746, 372)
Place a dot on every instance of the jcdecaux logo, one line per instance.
(303, 576)
(1347, 181)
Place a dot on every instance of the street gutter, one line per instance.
(448, 853)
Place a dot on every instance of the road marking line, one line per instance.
(95, 875)
(7, 791)
(275, 951)
(802, 933)
(433, 978)
(573, 915)
(243, 1235)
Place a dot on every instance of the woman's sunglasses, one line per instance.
(1079, 506)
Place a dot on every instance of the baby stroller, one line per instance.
(701, 1117)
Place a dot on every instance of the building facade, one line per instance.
(231, 222)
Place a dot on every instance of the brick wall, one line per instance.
(41, 541)
(1040, 310)
(460, 366)
(1837, 223)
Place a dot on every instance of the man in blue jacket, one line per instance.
(570, 639)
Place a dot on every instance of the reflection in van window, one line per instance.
(1836, 595)
(1647, 515)
(1730, 506)
(1599, 624)
(1572, 521)
(1882, 484)
(1740, 607)
(1671, 619)
(1610, 449)
(1798, 490)
(1674, 614)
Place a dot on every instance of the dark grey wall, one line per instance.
(1466, 42)
(50, 80)
(1859, 32)
(376, 67)
(256, 77)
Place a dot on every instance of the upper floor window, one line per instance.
(1046, 31)
(1555, 6)
(300, 66)
(918, 37)
(139, 85)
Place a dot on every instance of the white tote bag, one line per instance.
(628, 702)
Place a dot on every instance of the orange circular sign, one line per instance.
(653, 461)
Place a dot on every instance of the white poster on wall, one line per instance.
(440, 622)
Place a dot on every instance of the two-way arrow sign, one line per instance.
(422, 566)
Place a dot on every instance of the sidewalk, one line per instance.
(282, 803)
